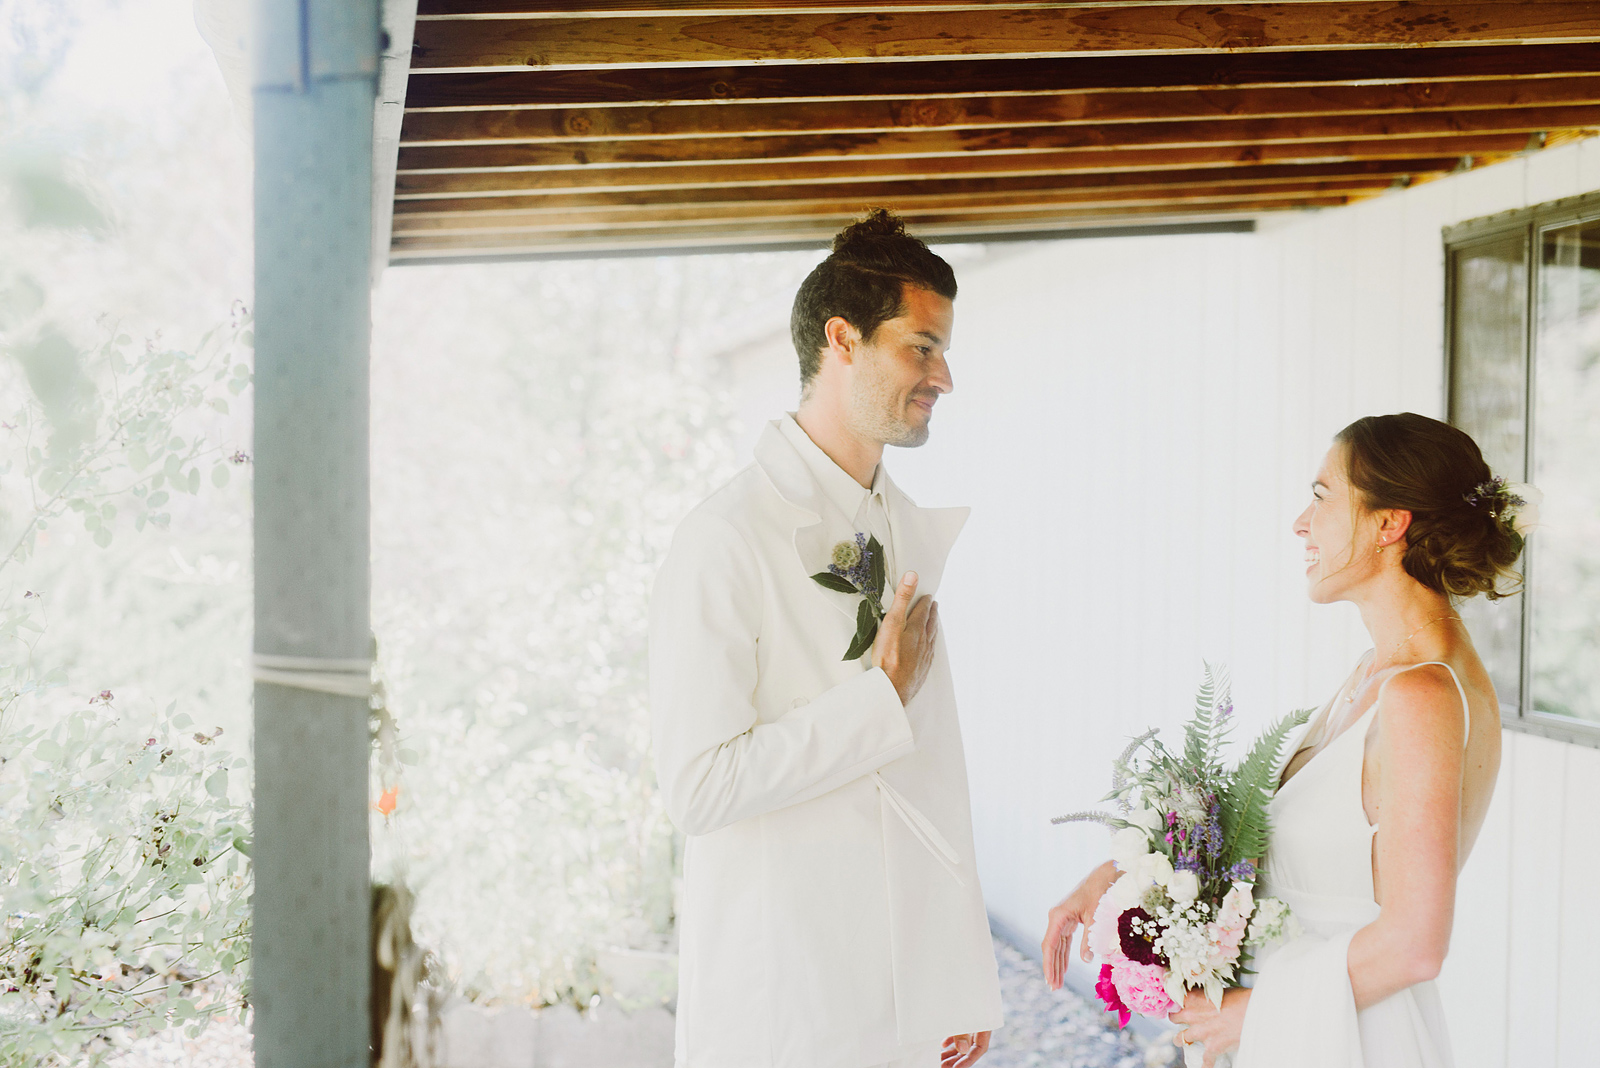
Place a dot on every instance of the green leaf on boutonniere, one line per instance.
(866, 631)
(876, 550)
(833, 582)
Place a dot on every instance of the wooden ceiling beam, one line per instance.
(961, 142)
(434, 128)
(884, 169)
(537, 9)
(600, 217)
(1384, 172)
(860, 81)
(713, 233)
(508, 44)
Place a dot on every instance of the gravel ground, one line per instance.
(1059, 1029)
(1044, 1029)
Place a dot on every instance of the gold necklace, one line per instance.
(1350, 698)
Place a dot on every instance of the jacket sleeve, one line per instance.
(716, 764)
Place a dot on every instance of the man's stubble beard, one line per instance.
(878, 414)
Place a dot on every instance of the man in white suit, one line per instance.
(831, 914)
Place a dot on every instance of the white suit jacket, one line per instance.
(831, 912)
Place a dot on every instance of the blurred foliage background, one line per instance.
(538, 430)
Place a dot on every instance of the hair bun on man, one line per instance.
(879, 225)
(1433, 470)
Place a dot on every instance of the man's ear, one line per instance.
(842, 338)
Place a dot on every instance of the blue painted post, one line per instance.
(313, 97)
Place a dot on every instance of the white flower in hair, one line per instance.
(1525, 516)
(1514, 504)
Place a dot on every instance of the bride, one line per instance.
(1379, 806)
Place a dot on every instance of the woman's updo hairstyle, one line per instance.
(1429, 469)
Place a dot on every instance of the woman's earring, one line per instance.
(1380, 546)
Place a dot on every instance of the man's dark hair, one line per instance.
(863, 282)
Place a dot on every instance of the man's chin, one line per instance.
(910, 437)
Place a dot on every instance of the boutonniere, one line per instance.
(857, 568)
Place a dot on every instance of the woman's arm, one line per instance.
(1421, 737)
(1077, 908)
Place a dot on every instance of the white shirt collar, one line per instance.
(845, 492)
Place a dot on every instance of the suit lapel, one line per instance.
(922, 538)
(820, 527)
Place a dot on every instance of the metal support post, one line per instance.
(313, 94)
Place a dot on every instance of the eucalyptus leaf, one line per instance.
(866, 631)
(833, 582)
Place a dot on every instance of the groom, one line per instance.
(831, 913)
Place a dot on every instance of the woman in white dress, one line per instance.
(1380, 803)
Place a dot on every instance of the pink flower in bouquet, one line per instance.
(1142, 988)
(1233, 918)
(1107, 989)
(1105, 940)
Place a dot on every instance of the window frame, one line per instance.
(1533, 222)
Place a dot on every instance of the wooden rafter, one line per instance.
(810, 36)
(871, 81)
(423, 128)
(1378, 173)
(964, 142)
(712, 232)
(915, 168)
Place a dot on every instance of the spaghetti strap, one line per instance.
(1466, 712)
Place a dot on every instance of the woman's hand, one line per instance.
(1219, 1030)
(1075, 910)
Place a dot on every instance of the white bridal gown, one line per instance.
(1302, 1013)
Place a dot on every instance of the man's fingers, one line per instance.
(902, 596)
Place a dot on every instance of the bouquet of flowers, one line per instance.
(1182, 916)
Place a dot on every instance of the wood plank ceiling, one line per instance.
(539, 127)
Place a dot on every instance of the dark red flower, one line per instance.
(1135, 946)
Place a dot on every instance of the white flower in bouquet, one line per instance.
(1148, 818)
(1154, 869)
(1271, 922)
(1128, 845)
(1129, 891)
(1183, 886)
(1238, 904)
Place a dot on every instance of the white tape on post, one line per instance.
(343, 678)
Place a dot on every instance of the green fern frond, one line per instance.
(1245, 823)
(1202, 744)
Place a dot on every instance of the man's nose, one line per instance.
(940, 378)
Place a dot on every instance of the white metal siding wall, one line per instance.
(1136, 422)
